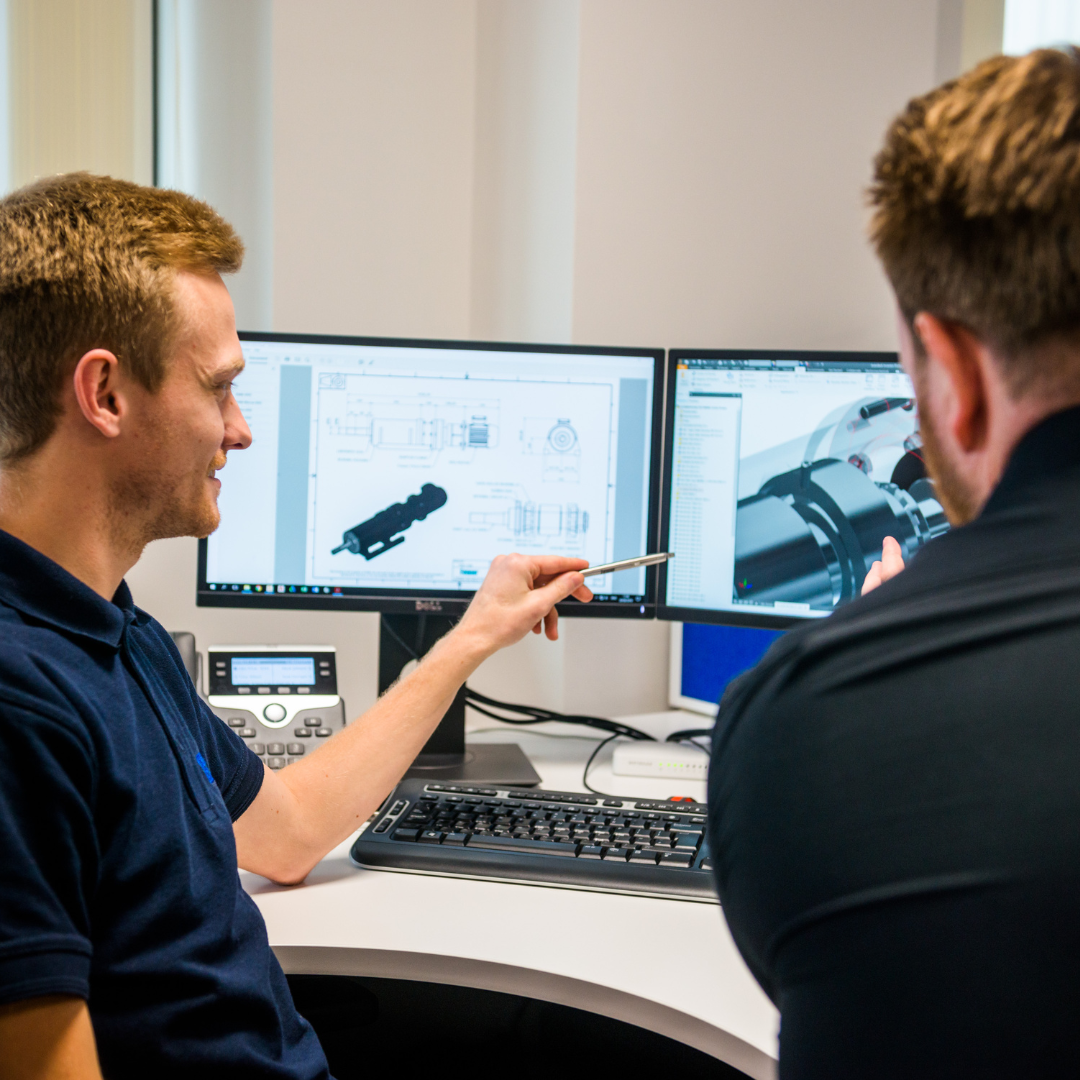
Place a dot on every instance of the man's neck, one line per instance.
(62, 510)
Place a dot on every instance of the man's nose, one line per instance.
(237, 432)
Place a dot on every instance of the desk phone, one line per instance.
(281, 699)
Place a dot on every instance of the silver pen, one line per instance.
(627, 564)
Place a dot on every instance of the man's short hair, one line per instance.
(976, 212)
(89, 262)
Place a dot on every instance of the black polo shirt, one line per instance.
(895, 803)
(118, 876)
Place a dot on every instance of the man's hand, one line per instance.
(306, 809)
(47, 1038)
(519, 594)
(892, 562)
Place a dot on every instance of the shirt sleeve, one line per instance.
(49, 858)
(238, 772)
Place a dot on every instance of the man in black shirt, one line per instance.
(894, 792)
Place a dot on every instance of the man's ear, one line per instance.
(96, 385)
(959, 358)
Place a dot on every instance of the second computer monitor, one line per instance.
(387, 474)
(783, 474)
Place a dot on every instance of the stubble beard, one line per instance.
(149, 504)
(956, 498)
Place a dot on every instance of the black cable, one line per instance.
(384, 626)
(588, 764)
(505, 719)
(527, 714)
(535, 715)
(689, 733)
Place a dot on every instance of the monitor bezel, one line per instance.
(454, 603)
(762, 621)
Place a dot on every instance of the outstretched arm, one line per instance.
(47, 1038)
(306, 809)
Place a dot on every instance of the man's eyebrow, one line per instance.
(229, 371)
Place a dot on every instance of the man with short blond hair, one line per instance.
(893, 793)
(127, 946)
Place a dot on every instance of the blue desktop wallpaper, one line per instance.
(713, 655)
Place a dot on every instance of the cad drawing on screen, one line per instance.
(527, 519)
(556, 442)
(824, 505)
(381, 532)
(401, 422)
(392, 469)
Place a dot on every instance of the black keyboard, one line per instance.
(545, 837)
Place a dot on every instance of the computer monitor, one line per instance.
(704, 658)
(784, 472)
(386, 474)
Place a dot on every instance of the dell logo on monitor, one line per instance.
(428, 605)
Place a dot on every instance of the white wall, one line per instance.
(718, 152)
(374, 104)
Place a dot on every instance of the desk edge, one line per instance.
(541, 985)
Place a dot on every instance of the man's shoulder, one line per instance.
(45, 671)
(964, 590)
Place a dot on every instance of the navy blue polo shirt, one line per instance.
(118, 876)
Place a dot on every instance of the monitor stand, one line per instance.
(445, 756)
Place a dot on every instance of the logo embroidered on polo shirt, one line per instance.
(205, 768)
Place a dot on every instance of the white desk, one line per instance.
(665, 965)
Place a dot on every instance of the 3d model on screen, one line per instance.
(810, 533)
(380, 533)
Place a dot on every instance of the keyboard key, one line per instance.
(383, 826)
(303, 733)
(237, 721)
(275, 748)
(276, 762)
(676, 858)
(455, 839)
(520, 846)
(296, 748)
(407, 833)
(257, 748)
(247, 733)
(431, 836)
(643, 855)
(706, 864)
(591, 851)
(613, 802)
(687, 841)
(324, 733)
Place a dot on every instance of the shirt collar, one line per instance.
(34, 585)
(1051, 447)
